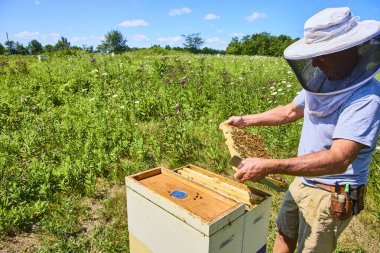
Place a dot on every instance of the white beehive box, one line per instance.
(218, 215)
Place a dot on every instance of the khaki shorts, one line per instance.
(304, 214)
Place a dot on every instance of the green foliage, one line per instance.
(62, 44)
(35, 47)
(2, 49)
(11, 47)
(48, 48)
(259, 44)
(114, 43)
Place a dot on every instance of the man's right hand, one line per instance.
(236, 121)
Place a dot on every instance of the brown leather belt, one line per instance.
(331, 188)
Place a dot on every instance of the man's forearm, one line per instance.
(317, 164)
(276, 116)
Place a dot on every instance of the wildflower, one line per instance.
(91, 99)
(271, 87)
(289, 85)
(283, 82)
(136, 102)
(104, 74)
(274, 93)
(92, 60)
(289, 72)
(114, 95)
(182, 82)
(279, 90)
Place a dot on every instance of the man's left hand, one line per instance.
(252, 169)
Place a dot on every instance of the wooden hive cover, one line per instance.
(200, 201)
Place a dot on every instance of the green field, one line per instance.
(73, 126)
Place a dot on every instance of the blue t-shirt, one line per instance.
(358, 119)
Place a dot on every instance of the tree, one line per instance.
(193, 42)
(114, 43)
(63, 43)
(234, 47)
(21, 49)
(11, 47)
(35, 47)
(2, 49)
(89, 49)
(48, 48)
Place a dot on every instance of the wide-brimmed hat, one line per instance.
(331, 30)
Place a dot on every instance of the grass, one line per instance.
(72, 127)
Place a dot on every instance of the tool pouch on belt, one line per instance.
(343, 206)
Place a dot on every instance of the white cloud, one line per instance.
(211, 16)
(178, 12)
(133, 23)
(51, 36)
(237, 34)
(172, 41)
(255, 16)
(215, 42)
(139, 37)
(37, 2)
(27, 35)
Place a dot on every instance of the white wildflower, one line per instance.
(274, 93)
(289, 85)
(289, 72)
(114, 95)
(271, 88)
(136, 102)
(91, 99)
(104, 74)
(279, 90)
(283, 82)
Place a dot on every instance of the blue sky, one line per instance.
(148, 22)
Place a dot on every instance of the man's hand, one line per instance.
(252, 169)
(236, 121)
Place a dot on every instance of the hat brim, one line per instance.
(364, 31)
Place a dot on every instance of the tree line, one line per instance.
(114, 42)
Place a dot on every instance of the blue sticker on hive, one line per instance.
(178, 194)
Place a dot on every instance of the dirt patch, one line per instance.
(19, 243)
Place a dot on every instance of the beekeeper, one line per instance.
(335, 63)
